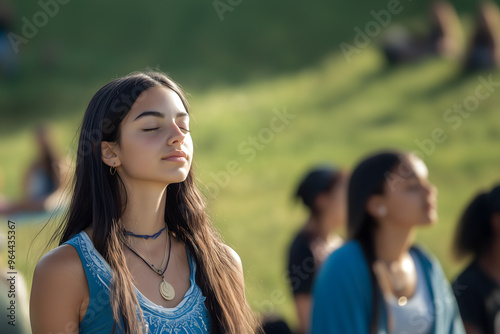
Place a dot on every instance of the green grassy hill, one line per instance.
(239, 77)
(254, 209)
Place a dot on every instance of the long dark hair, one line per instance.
(369, 178)
(96, 200)
(474, 233)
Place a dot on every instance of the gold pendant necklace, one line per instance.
(391, 279)
(166, 289)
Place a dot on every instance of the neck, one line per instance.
(392, 243)
(314, 225)
(145, 210)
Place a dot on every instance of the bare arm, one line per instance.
(58, 291)
(303, 307)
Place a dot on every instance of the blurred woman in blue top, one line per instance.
(379, 282)
(137, 252)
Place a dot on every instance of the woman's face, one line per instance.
(155, 144)
(335, 205)
(409, 198)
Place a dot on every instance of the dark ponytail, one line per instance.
(474, 233)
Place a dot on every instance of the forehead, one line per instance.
(418, 166)
(412, 167)
(158, 98)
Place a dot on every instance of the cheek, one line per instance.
(336, 204)
(337, 207)
(406, 209)
(188, 147)
(133, 153)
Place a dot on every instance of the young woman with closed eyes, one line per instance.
(137, 253)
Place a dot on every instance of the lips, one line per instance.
(430, 206)
(176, 156)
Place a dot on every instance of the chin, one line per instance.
(430, 219)
(176, 175)
(178, 178)
(183, 175)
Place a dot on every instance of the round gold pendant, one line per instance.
(167, 290)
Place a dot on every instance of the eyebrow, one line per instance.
(160, 115)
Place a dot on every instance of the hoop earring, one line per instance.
(112, 170)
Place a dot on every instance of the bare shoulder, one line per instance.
(60, 268)
(60, 260)
(58, 290)
(236, 258)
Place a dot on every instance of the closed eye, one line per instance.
(184, 129)
(414, 186)
(149, 130)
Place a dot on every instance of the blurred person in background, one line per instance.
(477, 288)
(323, 192)
(137, 252)
(8, 57)
(484, 49)
(379, 281)
(445, 38)
(42, 183)
(273, 324)
(399, 45)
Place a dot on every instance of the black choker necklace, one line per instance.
(146, 236)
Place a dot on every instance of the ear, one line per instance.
(376, 206)
(109, 154)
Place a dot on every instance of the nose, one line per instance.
(175, 135)
(431, 190)
(434, 189)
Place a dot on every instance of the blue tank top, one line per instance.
(190, 316)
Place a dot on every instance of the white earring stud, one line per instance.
(382, 211)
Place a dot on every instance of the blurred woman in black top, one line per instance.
(323, 192)
(477, 288)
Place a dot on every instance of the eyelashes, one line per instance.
(153, 129)
(149, 130)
